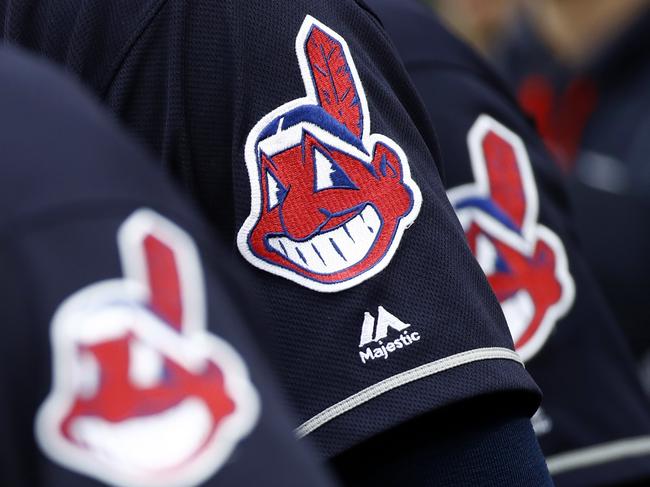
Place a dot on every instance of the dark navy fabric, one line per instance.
(608, 178)
(591, 394)
(191, 79)
(450, 456)
(69, 179)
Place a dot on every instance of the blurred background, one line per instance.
(481, 23)
(580, 69)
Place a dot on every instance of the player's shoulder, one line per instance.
(68, 32)
(59, 148)
(451, 69)
(448, 74)
(420, 36)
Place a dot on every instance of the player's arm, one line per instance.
(298, 131)
(511, 202)
(554, 261)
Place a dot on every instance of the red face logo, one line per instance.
(524, 261)
(143, 395)
(560, 117)
(330, 200)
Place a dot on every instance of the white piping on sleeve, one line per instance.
(390, 383)
(599, 454)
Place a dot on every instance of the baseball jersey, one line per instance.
(126, 356)
(601, 122)
(295, 127)
(509, 195)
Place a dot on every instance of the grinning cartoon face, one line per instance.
(136, 391)
(330, 201)
(143, 395)
(524, 262)
(326, 214)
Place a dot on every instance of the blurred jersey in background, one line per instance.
(235, 98)
(581, 70)
(511, 200)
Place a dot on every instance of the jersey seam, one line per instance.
(147, 20)
(377, 21)
(401, 379)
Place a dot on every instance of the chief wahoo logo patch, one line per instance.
(525, 262)
(330, 201)
(142, 394)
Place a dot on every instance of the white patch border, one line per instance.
(532, 231)
(368, 140)
(237, 383)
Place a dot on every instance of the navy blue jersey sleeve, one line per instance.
(126, 357)
(296, 128)
(510, 199)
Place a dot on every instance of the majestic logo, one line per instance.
(330, 201)
(377, 331)
(525, 262)
(142, 394)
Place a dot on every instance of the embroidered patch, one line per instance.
(142, 394)
(329, 200)
(525, 262)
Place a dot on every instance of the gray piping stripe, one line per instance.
(401, 379)
(599, 454)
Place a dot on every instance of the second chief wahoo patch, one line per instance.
(525, 262)
(330, 201)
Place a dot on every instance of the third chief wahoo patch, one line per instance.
(143, 394)
(525, 262)
(330, 201)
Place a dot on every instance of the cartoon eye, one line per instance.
(489, 257)
(328, 174)
(146, 365)
(276, 191)
(486, 254)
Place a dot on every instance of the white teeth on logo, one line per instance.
(143, 443)
(335, 250)
(519, 311)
